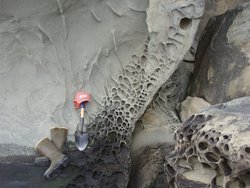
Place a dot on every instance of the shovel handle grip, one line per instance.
(82, 110)
(82, 117)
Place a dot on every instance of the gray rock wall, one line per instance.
(50, 50)
(222, 61)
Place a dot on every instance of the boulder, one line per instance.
(212, 148)
(222, 64)
(190, 106)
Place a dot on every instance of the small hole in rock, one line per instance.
(226, 147)
(170, 170)
(247, 150)
(225, 137)
(181, 136)
(194, 126)
(225, 167)
(202, 146)
(211, 139)
(190, 131)
(211, 157)
(216, 150)
(190, 151)
(202, 134)
(185, 23)
(189, 137)
(199, 118)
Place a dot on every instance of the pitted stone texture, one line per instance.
(128, 95)
(215, 143)
(222, 59)
(160, 120)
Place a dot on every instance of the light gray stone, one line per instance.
(116, 50)
(190, 106)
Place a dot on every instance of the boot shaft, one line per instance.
(59, 137)
(47, 148)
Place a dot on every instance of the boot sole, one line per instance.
(57, 169)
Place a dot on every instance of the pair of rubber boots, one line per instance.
(52, 149)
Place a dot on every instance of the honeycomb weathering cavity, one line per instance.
(171, 26)
(215, 143)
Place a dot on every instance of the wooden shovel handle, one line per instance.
(82, 116)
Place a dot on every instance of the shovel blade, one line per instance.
(81, 140)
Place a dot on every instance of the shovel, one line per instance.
(81, 134)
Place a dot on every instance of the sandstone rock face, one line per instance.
(160, 120)
(153, 136)
(122, 52)
(50, 50)
(128, 95)
(212, 148)
(216, 8)
(119, 53)
(222, 60)
(190, 106)
(148, 167)
(212, 9)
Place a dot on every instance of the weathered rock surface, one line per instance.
(212, 148)
(160, 120)
(117, 53)
(212, 9)
(190, 106)
(216, 8)
(153, 136)
(122, 70)
(148, 167)
(222, 61)
(50, 50)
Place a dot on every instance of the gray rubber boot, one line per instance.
(58, 160)
(58, 138)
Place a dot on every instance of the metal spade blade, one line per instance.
(81, 140)
(81, 135)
